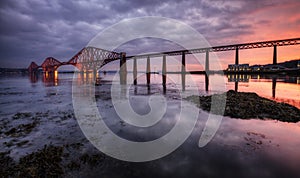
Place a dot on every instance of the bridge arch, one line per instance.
(91, 58)
(50, 64)
(87, 59)
(33, 67)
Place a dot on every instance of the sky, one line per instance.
(32, 30)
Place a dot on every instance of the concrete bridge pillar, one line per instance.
(148, 70)
(207, 61)
(164, 73)
(183, 63)
(123, 69)
(164, 70)
(134, 71)
(275, 55)
(183, 71)
(236, 55)
(207, 70)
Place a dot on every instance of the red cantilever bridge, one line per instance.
(91, 58)
(86, 59)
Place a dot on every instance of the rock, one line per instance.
(22, 115)
(246, 105)
(7, 165)
(21, 129)
(43, 163)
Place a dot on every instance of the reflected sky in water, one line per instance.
(240, 148)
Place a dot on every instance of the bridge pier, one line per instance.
(134, 71)
(183, 63)
(164, 73)
(236, 55)
(148, 70)
(207, 70)
(207, 61)
(123, 69)
(275, 55)
(183, 71)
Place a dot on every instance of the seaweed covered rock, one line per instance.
(246, 105)
(7, 165)
(43, 163)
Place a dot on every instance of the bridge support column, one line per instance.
(123, 69)
(183, 71)
(134, 71)
(148, 75)
(183, 63)
(164, 73)
(275, 55)
(236, 55)
(207, 61)
(207, 70)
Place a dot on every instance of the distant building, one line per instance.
(256, 68)
(273, 67)
(238, 67)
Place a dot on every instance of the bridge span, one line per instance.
(92, 59)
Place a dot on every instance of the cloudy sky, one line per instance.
(32, 30)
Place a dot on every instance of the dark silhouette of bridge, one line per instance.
(92, 59)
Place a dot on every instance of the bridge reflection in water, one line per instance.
(91, 77)
(49, 79)
(274, 79)
(263, 85)
(244, 78)
(52, 78)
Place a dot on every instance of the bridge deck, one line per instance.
(262, 44)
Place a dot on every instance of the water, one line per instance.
(240, 148)
(281, 88)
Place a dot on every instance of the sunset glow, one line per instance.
(52, 29)
(150, 88)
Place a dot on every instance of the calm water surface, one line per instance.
(281, 88)
(240, 148)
